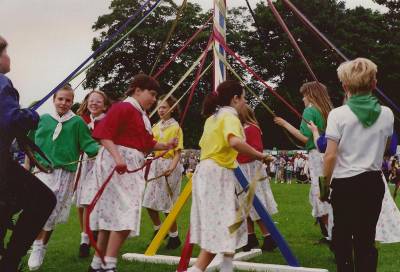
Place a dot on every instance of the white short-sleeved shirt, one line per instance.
(360, 149)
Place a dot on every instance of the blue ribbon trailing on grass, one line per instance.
(267, 220)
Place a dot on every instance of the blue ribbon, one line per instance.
(267, 220)
(95, 53)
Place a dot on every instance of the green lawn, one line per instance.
(294, 221)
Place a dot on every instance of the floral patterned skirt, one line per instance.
(161, 194)
(263, 189)
(61, 182)
(86, 188)
(119, 207)
(315, 163)
(214, 208)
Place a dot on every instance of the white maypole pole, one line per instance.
(219, 30)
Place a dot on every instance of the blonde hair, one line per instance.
(358, 75)
(247, 116)
(317, 94)
(83, 108)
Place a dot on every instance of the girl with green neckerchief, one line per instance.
(317, 107)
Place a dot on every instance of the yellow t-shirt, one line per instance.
(214, 141)
(166, 134)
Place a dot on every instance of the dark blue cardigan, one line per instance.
(14, 121)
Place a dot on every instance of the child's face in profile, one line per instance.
(306, 101)
(63, 101)
(146, 98)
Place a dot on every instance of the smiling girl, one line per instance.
(62, 136)
(92, 110)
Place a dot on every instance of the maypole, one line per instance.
(219, 31)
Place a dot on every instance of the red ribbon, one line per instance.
(186, 254)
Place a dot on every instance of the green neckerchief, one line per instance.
(365, 107)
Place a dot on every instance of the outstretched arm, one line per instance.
(291, 129)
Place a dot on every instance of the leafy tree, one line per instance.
(356, 32)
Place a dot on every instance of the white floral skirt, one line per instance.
(315, 162)
(263, 189)
(86, 188)
(119, 207)
(214, 208)
(157, 195)
(61, 182)
(388, 226)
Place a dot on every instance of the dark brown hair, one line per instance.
(83, 108)
(176, 111)
(144, 82)
(3, 44)
(226, 91)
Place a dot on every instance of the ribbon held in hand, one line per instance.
(323, 189)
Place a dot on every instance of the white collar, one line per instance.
(60, 119)
(137, 106)
(94, 119)
(228, 109)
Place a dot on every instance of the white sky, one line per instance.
(49, 38)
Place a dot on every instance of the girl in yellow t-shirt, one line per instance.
(214, 200)
(162, 192)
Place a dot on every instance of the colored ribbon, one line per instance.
(169, 35)
(95, 53)
(184, 46)
(330, 45)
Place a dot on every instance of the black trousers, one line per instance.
(357, 203)
(20, 191)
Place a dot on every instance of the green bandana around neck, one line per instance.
(365, 107)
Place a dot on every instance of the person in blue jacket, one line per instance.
(20, 191)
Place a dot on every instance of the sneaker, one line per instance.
(173, 242)
(91, 269)
(84, 250)
(37, 256)
(252, 242)
(109, 270)
(269, 244)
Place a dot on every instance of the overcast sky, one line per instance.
(49, 38)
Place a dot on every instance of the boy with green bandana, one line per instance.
(358, 133)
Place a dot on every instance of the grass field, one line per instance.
(294, 221)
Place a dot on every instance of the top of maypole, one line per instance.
(219, 29)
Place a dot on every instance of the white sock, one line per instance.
(194, 269)
(173, 234)
(227, 264)
(111, 262)
(266, 235)
(84, 238)
(156, 227)
(96, 262)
